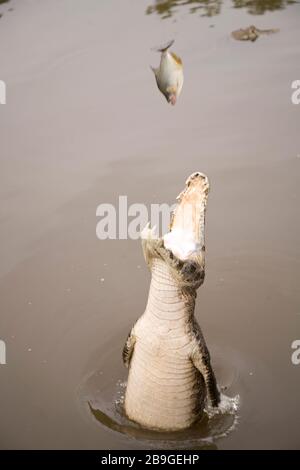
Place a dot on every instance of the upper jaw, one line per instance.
(186, 238)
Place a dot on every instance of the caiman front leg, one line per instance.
(201, 360)
(128, 348)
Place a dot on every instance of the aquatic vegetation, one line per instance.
(4, 1)
(259, 7)
(168, 8)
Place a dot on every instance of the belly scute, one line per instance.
(163, 391)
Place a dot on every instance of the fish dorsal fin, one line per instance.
(176, 58)
(154, 70)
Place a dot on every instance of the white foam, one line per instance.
(181, 242)
(228, 405)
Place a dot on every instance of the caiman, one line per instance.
(170, 372)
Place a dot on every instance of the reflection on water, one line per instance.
(202, 435)
(167, 8)
(101, 395)
(193, 438)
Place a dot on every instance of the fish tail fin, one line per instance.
(165, 47)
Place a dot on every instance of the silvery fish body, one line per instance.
(169, 74)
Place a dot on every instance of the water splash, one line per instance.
(215, 423)
(227, 404)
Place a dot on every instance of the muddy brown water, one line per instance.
(83, 124)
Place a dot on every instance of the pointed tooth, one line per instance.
(145, 232)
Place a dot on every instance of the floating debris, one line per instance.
(251, 33)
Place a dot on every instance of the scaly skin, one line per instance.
(170, 373)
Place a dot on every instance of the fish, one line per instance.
(169, 74)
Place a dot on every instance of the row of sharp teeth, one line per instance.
(150, 233)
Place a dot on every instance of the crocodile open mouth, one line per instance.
(186, 236)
